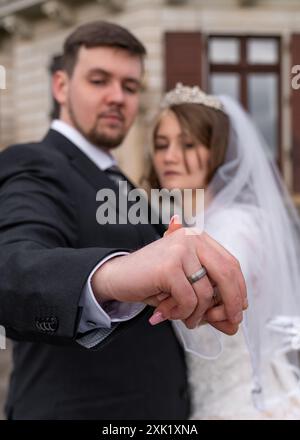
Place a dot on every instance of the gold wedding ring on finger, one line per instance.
(197, 275)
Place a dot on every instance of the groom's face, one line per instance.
(101, 97)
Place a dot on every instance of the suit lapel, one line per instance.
(84, 166)
(97, 178)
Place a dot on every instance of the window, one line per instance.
(248, 69)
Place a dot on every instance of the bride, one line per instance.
(209, 142)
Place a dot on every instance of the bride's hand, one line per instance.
(173, 226)
(215, 314)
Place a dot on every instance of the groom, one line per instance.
(72, 291)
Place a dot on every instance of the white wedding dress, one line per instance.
(221, 388)
(249, 211)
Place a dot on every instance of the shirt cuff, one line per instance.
(95, 315)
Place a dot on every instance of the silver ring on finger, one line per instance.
(197, 275)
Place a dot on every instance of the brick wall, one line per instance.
(25, 106)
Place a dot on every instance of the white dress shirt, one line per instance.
(93, 315)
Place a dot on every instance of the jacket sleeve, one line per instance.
(42, 272)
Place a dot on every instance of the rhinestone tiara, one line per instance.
(190, 95)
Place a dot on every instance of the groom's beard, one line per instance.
(94, 135)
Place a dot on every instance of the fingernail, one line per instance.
(174, 219)
(156, 318)
(245, 304)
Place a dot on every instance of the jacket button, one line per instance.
(53, 324)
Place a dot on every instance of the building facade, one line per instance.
(249, 49)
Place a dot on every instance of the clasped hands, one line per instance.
(157, 275)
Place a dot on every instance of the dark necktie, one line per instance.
(116, 175)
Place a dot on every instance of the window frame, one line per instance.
(244, 68)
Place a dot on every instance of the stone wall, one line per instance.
(25, 105)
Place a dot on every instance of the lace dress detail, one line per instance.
(221, 388)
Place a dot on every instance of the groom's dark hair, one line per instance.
(97, 34)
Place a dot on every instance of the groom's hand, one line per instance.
(216, 314)
(162, 267)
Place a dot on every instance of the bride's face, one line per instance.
(179, 161)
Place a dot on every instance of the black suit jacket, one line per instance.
(49, 243)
